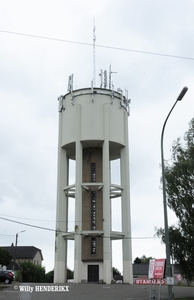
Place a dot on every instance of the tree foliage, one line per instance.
(5, 257)
(70, 274)
(137, 260)
(49, 277)
(146, 260)
(116, 272)
(32, 272)
(179, 177)
(142, 260)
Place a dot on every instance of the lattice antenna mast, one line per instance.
(94, 58)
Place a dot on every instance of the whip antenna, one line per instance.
(94, 59)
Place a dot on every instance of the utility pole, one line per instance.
(16, 243)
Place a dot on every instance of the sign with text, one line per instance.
(149, 281)
(157, 268)
(151, 268)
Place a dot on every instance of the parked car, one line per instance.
(6, 276)
(119, 281)
(12, 273)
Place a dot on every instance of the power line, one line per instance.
(6, 235)
(26, 224)
(30, 218)
(69, 221)
(97, 45)
(56, 230)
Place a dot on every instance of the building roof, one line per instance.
(23, 252)
(143, 269)
(140, 269)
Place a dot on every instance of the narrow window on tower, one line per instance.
(93, 210)
(93, 172)
(93, 245)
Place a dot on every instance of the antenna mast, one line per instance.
(94, 60)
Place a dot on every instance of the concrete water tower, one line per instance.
(93, 131)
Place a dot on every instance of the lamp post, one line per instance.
(16, 242)
(168, 267)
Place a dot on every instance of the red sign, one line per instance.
(157, 268)
(178, 277)
(149, 281)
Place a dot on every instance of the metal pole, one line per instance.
(15, 250)
(16, 241)
(168, 267)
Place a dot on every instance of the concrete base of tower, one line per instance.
(77, 271)
(107, 276)
(89, 272)
(60, 272)
(127, 272)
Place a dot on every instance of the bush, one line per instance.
(49, 276)
(18, 276)
(32, 273)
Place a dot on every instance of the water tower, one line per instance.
(93, 131)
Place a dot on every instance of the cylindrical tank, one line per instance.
(92, 118)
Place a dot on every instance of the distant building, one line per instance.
(24, 253)
(141, 271)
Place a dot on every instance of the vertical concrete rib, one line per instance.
(106, 199)
(78, 199)
(60, 274)
(126, 217)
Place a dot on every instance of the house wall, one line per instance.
(37, 260)
(20, 260)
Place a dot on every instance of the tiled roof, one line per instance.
(23, 252)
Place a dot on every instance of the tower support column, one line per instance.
(60, 274)
(107, 254)
(78, 200)
(126, 218)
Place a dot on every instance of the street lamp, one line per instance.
(168, 267)
(16, 242)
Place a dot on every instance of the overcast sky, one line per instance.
(149, 44)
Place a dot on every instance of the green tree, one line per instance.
(5, 257)
(69, 274)
(142, 260)
(137, 260)
(32, 272)
(18, 276)
(179, 175)
(145, 260)
(116, 272)
(49, 276)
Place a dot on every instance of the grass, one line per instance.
(3, 286)
(184, 298)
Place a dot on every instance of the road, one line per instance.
(34, 291)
